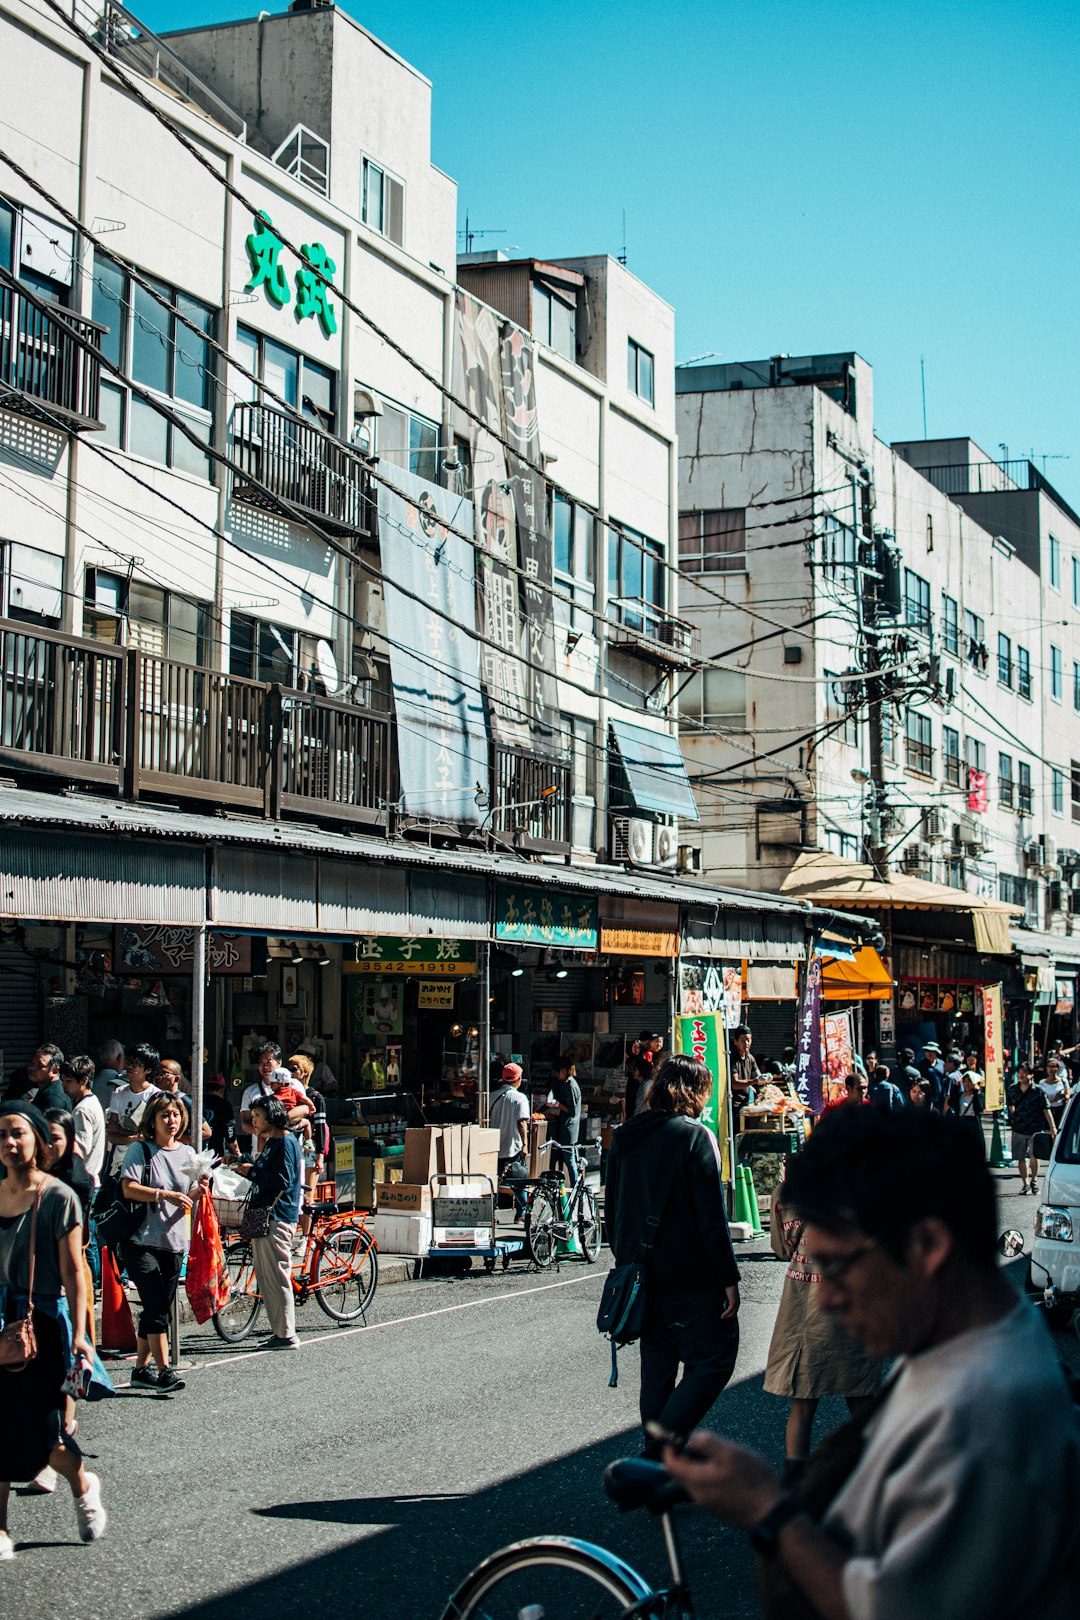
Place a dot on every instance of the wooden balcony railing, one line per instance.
(532, 801)
(44, 372)
(287, 463)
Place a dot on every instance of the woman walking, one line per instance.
(276, 1179)
(41, 1279)
(810, 1354)
(159, 1171)
(664, 1168)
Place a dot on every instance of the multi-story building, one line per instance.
(887, 648)
(338, 593)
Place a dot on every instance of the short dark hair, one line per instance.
(51, 1053)
(159, 1101)
(881, 1074)
(883, 1171)
(907, 1055)
(681, 1086)
(78, 1068)
(147, 1056)
(740, 1029)
(273, 1111)
(267, 1046)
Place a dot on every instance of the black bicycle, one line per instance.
(555, 1214)
(559, 1578)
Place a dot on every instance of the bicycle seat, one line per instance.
(318, 1210)
(634, 1482)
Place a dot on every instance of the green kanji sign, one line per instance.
(545, 917)
(311, 292)
(265, 248)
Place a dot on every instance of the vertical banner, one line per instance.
(534, 557)
(839, 1041)
(434, 668)
(809, 1075)
(704, 1037)
(993, 1066)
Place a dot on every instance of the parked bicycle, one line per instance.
(338, 1266)
(553, 1215)
(559, 1578)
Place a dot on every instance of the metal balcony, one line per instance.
(288, 464)
(652, 634)
(532, 800)
(44, 371)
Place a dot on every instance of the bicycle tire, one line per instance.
(552, 1578)
(240, 1312)
(345, 1297)
(541, 1214)
(588, 1224)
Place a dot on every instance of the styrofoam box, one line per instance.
(401, 1234)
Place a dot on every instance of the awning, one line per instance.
(655, 771)
(826, 879)
(864, 978)
(992, 932)
(770, 981)
(1035, 947)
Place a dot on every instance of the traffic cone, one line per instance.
(751, 1194)
(999, 1159)
(570, 1245)
(744, 1199)
(117, 1327)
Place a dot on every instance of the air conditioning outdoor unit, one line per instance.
(1032, 853)
(916, 859)
(632, 840)
(666, 846)
(933, 825)
(1048, 851)
(688, 858)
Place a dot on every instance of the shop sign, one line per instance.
(427, 956)
(809, 1077)
(993, 1067)
(839, 1053)
(172, 950)
(525, 917)
(264, 248)
(703, 1037)
(436, 994)
(886, 1023)
(1064, 993)
(622, 941)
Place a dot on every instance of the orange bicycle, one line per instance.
(338, 1266)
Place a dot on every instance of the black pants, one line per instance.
(686, 1329)
(155, 1273)
(514, 1173)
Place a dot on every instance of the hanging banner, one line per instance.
(704, 1037)
(809, 1076)
(534, 556)
(993, 1056)
(434, 659)
(839, 1040)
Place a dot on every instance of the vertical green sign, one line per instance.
(702, 1035)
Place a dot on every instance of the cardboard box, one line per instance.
(482, 1152)
(453, 1149)
(423, 1154)
(401, 1233)
(538, 1161)
(405, 1197)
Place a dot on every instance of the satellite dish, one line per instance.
(326, 664)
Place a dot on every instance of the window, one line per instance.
(975, 640)
(713, 542)
(1057, 791)
(635, 577)
(382, 201)
(130, 613)
(640, 370)
(715, 698)
(950, 624)
(929, 531)
(1055, 673)
(1018, 891)
(1006, 782)
(1074, 789)
(888, 737)
(1076, 582)
(1005, 660)
(954, 868)
(1055, 563)
(1076, 686)
(408, 441)
(950, 755)
(554, 319)
(975, 754)
(304, 385)
(840, 552)
(837, 695)
(916, 600)
(919, 744)
(147, 340)
(261, 651)
(580, 737)
(1023, 672)
(1023, 788)
(31, 585)
(573, 540)
(39, 251)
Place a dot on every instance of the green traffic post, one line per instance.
(999, 1159)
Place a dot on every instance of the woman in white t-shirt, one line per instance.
(1055, 1088)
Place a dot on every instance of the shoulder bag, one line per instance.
(621, 1317)
(119, 1218)
(18, 1341)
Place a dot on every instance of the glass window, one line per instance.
(950, 624)
(1023, 672)
(950, 755)
(7, 235)
(715, 698)
(919, 743)
(1023, 788)
(640, 371)
(555, 321)
(148, 431)
(1006, 786)
(1074, 789)
(1055, 563)
(151, 339)
(192, 367)
(975, 639)
(916, 600)
(1005, 660)
(261, 651)
(635, 577)
(1076, 686)
(408, 441)
(562, 523)
(111, 412)
(713, 542)
(423, 449)
(109, 308)
(1057, 791)
(372, 206)
(1076, 582)
(976, 753)
(840, 552)
(1055, 673)
(280, 370)
(136, 614)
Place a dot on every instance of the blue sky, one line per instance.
(899, 179)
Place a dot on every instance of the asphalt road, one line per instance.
(367, 1472)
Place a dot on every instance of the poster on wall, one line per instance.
(704, 1037)
(732, 996)
(383, 1006)
(839, 1054)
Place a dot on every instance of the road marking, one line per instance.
(397, 1321)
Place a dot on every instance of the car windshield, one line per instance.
(1068, 1148)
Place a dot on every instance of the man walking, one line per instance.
(509, 1114)
(1027, 1112)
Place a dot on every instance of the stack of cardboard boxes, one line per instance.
(466, 1154)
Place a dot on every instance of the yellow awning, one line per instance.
(827, 880)
(863, 979)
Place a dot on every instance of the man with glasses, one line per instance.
(975, 1433)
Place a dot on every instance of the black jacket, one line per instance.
(692, 1248)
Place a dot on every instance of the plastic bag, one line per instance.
(206, 1280)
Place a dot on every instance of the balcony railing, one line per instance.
(652, 633)
(131, 42)
(137, 723)
(287, 463)
(44, 372)
(531, 800)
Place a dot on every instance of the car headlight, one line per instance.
(1051, 1222)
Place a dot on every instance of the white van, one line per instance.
(1055, 1258)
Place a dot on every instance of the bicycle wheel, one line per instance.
(541, 1215)
(552, 1578)
(346, 1272)
(588, 1225)
(238, 1315)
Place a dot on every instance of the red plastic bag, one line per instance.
(206, 1280)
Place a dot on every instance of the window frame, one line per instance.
(579, 582)
(1025, 796)
(1057, 791)
(917, 600)
(918, 743)
(622, 541)
(720, 719)
(1004, 660)
(369, 165)
(123, 619)
(636, 353)
(840, 553)
(258, 668)
(1054, 562)
(327, 420)
(950, 756)
(1057, 674)
(974, 753)
(976, 652)
(543, 291)
(1023, 673)
(1006, 782)
(950, 624)
(703, 561)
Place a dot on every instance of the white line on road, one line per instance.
(398, 1321)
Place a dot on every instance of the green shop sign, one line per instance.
(545, 917)
(265, 248)
(424, 955)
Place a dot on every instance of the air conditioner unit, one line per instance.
(1032, 853)
(688, 858)
(975, 843)
(632, 840)
(916, 859)
(666, 846)
(933, 826)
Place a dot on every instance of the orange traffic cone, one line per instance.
(117, 1328)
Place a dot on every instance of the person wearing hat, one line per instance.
(509, 1115)
(932, 1070)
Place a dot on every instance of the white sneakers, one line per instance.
(43, 1484)
(7, 1548)
(89, 1511)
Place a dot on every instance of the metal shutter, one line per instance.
(20, 1029)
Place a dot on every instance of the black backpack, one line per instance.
(621, 1317)
(118, 1218)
